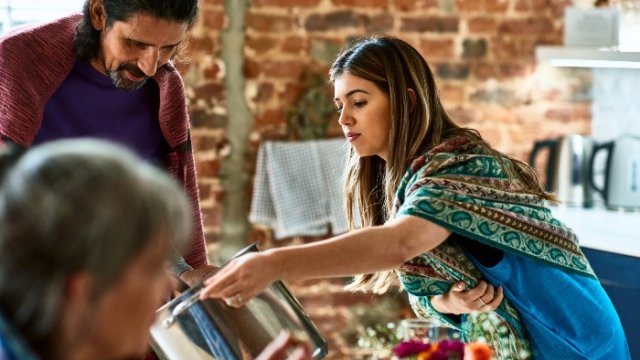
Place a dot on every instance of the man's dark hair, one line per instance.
(87, 42)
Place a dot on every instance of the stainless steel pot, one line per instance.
(189, 328)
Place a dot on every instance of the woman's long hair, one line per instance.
(416, 126)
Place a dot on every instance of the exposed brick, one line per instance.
(482, 24)
(201, 45)
(324, 51)
(331, 21)
(526, 27)
(265, 92)
(204, 191)
(462, 116)
(209, 91)
(203, 143)
(470, 5)
(292, 93)
(260, 44)
(474, 48)
(212, 71)
(251, 69)
(496, 6)
(507, 70)
(437, 48)
(213, 19)
(271, 117)
(529, 5)
(211, 217)
(208, 168)
(431, 24)
(379, 23)
(501, 96)
(415, 5)
(361, 3)
(286, 3)
(282, 69)
(295, 44)
(453, 71)
(202, 119)
(510, 48)
(268, 23)
(450, 93)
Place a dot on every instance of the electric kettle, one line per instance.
(621, 188)
(567, 168)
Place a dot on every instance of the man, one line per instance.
(108, 74)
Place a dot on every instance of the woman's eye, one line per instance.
(359, 103)
(339, 109)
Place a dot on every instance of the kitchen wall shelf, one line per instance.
(562, 56)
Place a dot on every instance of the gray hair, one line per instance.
(77, 205)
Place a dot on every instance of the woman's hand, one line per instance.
(482, 298)
(241, 279)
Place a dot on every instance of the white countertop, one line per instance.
(601, 229)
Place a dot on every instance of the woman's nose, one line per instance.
(345, 118)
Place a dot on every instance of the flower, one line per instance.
(410, 348)
(442, 350)
(477, 351)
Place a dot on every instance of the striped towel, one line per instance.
(298, 188)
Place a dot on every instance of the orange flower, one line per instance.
(477, 351)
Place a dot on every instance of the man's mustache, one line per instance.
(133, 69)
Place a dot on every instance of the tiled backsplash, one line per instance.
(616, 103)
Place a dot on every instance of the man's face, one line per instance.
(132, 51)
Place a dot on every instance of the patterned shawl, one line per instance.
(459, 186)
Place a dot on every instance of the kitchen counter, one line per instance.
(601, 229)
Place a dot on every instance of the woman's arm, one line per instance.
(362, 251)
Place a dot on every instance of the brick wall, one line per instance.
(482, 52)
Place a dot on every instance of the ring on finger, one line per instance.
(238, 298)
(482, 301)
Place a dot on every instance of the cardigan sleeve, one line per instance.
(196, 253)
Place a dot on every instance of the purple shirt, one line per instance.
(87, 104)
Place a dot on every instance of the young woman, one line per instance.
(463, 226)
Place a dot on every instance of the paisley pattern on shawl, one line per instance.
(459, 186)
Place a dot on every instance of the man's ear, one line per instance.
(97, 15)
(412, 99)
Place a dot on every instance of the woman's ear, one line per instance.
(97, 15)
(412, 99)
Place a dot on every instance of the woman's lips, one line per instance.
(352, 136)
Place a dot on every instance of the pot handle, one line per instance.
(549, 172)
(608, 146)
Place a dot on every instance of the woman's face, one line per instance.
(126, 311)
(364, 114)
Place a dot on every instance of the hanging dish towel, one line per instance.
(298, 188)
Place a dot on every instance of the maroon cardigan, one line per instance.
(35, 60)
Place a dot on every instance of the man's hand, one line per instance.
(195, 276)
(483, 298)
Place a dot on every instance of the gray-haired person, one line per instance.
(86, 230)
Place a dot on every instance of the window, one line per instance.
(18, 12)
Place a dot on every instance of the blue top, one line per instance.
(11, 345)
(567, 316)
(87, 104)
